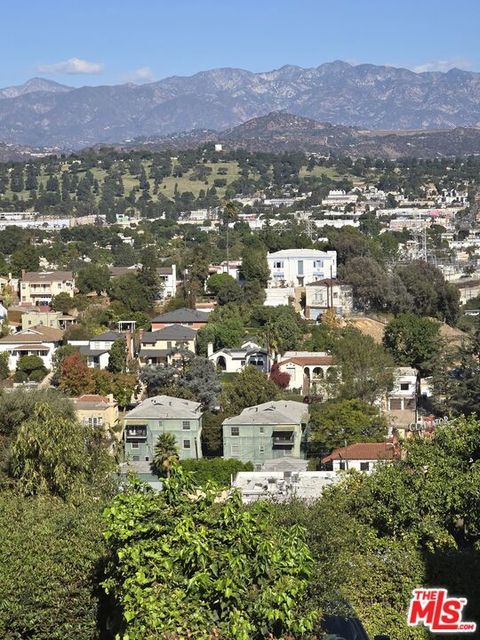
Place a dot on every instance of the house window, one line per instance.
(186, 444)
(395, 404)
(262, 449)
(136, 458)
(342, 466)
(186, 424)
(364, 466)
(160, 423)
(235, 431)
(278, 265)
(235, 449)
(134, 445)
(404, 386)
(262, 429)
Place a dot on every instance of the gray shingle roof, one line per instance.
(183, 315)
(175, 332)
(160, 407)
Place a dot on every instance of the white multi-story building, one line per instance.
(299, 267)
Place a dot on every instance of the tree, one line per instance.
(370, 283)
(225, 288)
(413, 341)
(218, 470)
(212, 433)
(201, 379)
(56, 455)
(4, 369)
(431, 295)
(338, 422)
(117, 359)
(75, 376)
(63, 302)
(93, 277)
(46, 541)
(365, 369)
(248, 388)
(250, 590)
(124, 386)
(58, 357)
(457, 378)
(254, 264)
(280, 378)
(165, 456)
(30, 368)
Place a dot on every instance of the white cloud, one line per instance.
(443, 65)
(71, 66)
(141, 75)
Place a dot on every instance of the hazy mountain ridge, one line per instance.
(279, 131)
(43, 113)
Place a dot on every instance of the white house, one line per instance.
(39, 341)
(401, 401)
(97, 350)
(299, 267)
(309, 371)
(362, 456)
(234, 360)
(168, 279)
(325, 294)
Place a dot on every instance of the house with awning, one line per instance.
(39, 341)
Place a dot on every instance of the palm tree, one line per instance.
(166, 455)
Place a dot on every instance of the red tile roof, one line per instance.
(363, 451)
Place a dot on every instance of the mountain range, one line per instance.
(43, 113)
(278, 132)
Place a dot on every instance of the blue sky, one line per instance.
(80, 42)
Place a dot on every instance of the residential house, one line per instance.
(299, 267)
(184, 317)
(362, 456)
(266, 431)
(38, 288)
(96, 410)
(155, 416)
(166, 345)
(326, 294)
(309, 371)
(35, 341)
(401, 401)
(168, 280)
(234, 360)
(54, 319)
(96, 350)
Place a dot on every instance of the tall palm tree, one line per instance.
(166, 455)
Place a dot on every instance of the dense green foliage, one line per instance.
(50, 568)
(183, 565)
(338, 422)
(217, 470)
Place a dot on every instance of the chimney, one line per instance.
(209, 349)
